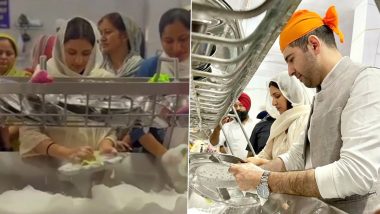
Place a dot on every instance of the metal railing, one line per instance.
(90, 102)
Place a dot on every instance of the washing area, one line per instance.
(133, 182)
(135, 185)
(217, 192)
(137, 182)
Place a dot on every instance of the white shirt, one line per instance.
(358, 168)
(235, 137)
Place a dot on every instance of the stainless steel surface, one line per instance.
(209, 200)
(139, 169)
(235, 59)
(88, 101)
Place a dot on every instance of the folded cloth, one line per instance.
(175, 162)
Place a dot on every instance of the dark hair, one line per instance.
(288, 103)
(12, 44)
(116, 20)
(172, 15)
(79, 28)
(324, 33)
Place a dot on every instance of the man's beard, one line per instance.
(243, 115)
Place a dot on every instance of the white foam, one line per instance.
(123, 198)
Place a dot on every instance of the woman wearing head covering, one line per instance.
(290, 105)
(42, 46)
(174, 28)
(121, 43)
(8, 56)
(76, 51)
(75, 54)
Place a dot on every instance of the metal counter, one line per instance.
(138, 169)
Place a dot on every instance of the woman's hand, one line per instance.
(106, 147)
(257, 161)
(79, 154)
(125, 145)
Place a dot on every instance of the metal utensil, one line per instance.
(216, 159)
(223, 192)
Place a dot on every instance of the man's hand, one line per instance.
(227, 119)
(247, 175)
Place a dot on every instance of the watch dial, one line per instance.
(263, 191)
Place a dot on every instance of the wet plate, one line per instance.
(215, 175)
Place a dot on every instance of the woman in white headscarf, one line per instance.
(290, 105)
(75, 54)
(121, 43)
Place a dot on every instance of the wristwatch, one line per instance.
(263, 187)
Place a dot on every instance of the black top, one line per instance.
(260, 134)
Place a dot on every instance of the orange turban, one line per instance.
(304, 21)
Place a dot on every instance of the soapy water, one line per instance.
(123, 198)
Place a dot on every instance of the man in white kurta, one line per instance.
(236, 140)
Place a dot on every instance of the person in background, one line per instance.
(260, 133)
(8, 56)
(75, 54)
(234, 134)
(290, 105)
(174, 29)
(42, 46)
(121, 43)
(339, 159)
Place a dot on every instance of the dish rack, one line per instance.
(222, 61)
(92, 102)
